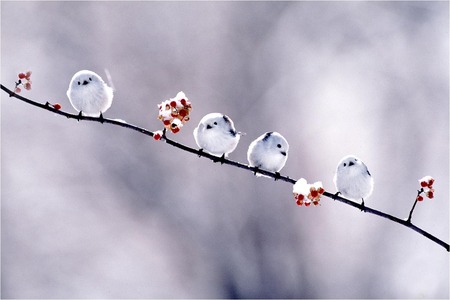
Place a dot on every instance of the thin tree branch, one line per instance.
(414, 205)
(200, 153)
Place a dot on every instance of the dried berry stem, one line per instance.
(200, 153)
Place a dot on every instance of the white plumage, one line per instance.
(216, 134)
(89, 94)
(353, 179)
(268, 152)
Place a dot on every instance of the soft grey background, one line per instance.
(97, 211)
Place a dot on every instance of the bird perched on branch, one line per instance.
(89, 94)
(216, 135)
(268, 152)
(353, 179)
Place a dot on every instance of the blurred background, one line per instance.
(98, 211)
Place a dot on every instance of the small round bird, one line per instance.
(89, 94)
(216, 135)
(268, 152)
(352, 179)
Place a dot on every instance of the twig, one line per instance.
(414, 205)
(225, 161)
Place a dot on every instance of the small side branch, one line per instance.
(414, 205)
(276, 176)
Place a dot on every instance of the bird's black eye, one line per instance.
(279, 145)
(215, 123)
(90, 78)
(345, 164)
(79, 83)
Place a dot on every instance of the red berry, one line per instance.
(22, 75)
(423, 184)
(419, 198)
(183, 102)
(166, 122)
(430, 194)
(314, 193)
(57, 106)
(173, 104)
(299, 202)
(28, 74)
(27, 86)
(175, 129)
(183, 112)
(157, 135)
(307, 203)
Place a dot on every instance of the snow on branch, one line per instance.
(313, 191)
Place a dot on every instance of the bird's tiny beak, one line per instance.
(283, 152)
(351, 163)
(85, 82)
(208, 126)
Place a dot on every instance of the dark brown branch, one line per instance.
(225, 161)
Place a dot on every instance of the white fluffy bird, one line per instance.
(268, 152)
(353, 179)
(89, 94)
(216, 135)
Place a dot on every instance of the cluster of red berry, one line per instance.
(307, 194)
(427, 187)
(175, 112)
(24, 80)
